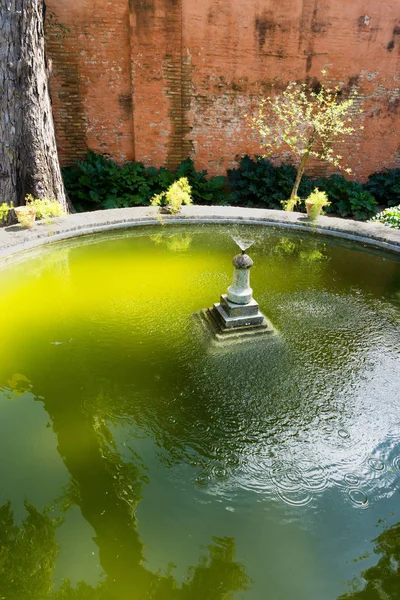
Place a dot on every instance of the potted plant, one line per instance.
(26, 215)
(170, 201)
(46, 208)
(315, 203)
(42, 208)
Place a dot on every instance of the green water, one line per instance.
(140, 462)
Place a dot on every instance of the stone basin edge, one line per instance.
(14, 239)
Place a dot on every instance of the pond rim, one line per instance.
(14, 240)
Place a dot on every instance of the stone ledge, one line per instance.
(14, 239)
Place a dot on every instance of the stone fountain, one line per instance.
(237, 315)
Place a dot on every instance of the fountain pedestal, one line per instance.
(237, 315)
(240, 291)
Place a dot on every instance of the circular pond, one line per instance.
(141, 461)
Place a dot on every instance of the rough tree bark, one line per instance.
(28, 153)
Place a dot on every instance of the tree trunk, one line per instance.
(301, 169)
(28, 153)
(299, 175)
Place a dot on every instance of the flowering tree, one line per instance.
(306, 122)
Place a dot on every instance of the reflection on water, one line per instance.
(152, 466)
(311, 251)
(175, 242)
(381, 580)
(29, 553)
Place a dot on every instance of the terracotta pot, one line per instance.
(313, 210)
(26, 215)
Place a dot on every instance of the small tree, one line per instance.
(308, 123)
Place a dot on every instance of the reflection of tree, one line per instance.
(107, 489)
(176, 242)
(82, 591)
(28, 554)
(382, 581)
(218, 576)
(309, 250)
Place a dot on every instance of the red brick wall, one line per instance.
(160, 80)
(91, 78)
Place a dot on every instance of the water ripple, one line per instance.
(315, 477)
(296, 498)
(376, 464)
(351, 479)
(396, 463)
(358, 498)
(286, 477)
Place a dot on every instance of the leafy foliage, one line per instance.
(318, 200)
(306, 122)
(363, 205)
(177, 194)
(37, 208)
(385, 186)
(380, 581)
(257, 182)
(98, 182)
(4, 212)
(389, 217)
(45, 207)
(299, 118)
(28, 553)
(348, 198)
(204, 191)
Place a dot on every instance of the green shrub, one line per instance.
(135, 185)
(98, 182)
(363, 205)
(389, 217)
(347, 198)
(46, 208)
(204, 191)
(4, 212)
(257, 182)
(385, 186)
(319, 198)
(178, 193)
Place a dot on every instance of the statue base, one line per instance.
(233, 315)
(225, 329)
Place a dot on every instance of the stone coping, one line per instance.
(14, 239)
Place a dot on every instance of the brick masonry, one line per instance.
(160, 80)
